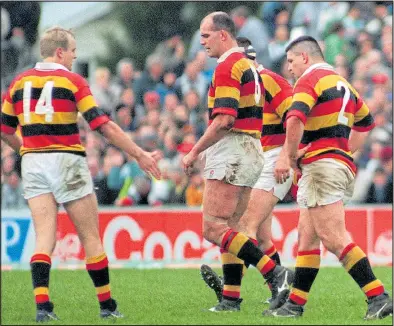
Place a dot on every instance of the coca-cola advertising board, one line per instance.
(155, 238)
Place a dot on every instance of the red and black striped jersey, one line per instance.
(45, 102)
(237, 89)
(329, 107)
(278, 95)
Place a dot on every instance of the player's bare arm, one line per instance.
(12, 140)
(147, 161)
(356, 140)
(219, 127)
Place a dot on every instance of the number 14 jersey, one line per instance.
(45, 102)
(329, 107)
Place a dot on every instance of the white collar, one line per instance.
(49, 66)
(231, 51)
(321, 65)
(260, 67)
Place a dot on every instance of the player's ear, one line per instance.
(223, 35)
(305, 57)
(59, 52)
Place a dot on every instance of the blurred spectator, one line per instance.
(197, 52)
(137, 194)
(168, 86)
(198, 115)
(105, 196)
(352, 23)
(171, 52)
(304, 19)
(105, 92)
(268, 13)
(12, 192)
(253, 28)
(195, 189)
(192, 78)
(381, 189)
(329, 13)
(381, 18)
(276, 47)
(149, 78)
(125, 74)
(336, 43)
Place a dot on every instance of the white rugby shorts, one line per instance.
(236, 159)
(267, 180)
(324, 182)
(65, 175)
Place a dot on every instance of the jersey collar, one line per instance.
(321, 65)
(49, 66)
(226, 54)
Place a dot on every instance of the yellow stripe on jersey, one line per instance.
(330, 120)
(239, 67)
(57, 118)
(8, 108)
(284, 106)
(270, 85)
(223, 91)
(86, 103)
(39, 82)
(305, 98)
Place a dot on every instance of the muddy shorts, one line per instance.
(65, 175)
(236, 159)
(324, 182)
(267, 180)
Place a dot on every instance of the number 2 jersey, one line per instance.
(45, 102)
(329, 107)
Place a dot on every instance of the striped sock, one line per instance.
(241, 246)
(273, 254)
(357, 265)
(232, 276)
(40, 265)
(97, 268)
(307, 267)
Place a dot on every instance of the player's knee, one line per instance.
(213, 228)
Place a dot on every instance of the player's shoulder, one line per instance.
(233, 60)
(275, 76)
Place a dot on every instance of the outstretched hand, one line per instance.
(148, 162)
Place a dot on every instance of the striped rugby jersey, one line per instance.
(329, 107)
(235, 87)
(45, 102)
(278, 95)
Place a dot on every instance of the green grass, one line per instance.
(179, 297)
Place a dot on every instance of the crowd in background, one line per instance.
(164, 106)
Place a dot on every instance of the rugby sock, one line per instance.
(234, 270)
(307, 267)
(97, 268)
(232, 276)
(241, 246)
(357, 265)
(273, 254)
(40, 268)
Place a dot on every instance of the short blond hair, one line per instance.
(53, 38)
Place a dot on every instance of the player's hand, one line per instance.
(282, 169)
(188, 162)
(294, 162)
(148, 162)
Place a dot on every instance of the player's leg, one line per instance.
(84, 215)
(74, 189)
(37, 192)
(219, 200)
(44, 213)
(324, 187)
(307, 267)
(330, 225)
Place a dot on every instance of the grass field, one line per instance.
(179, 297)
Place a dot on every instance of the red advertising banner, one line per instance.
(175, 237)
